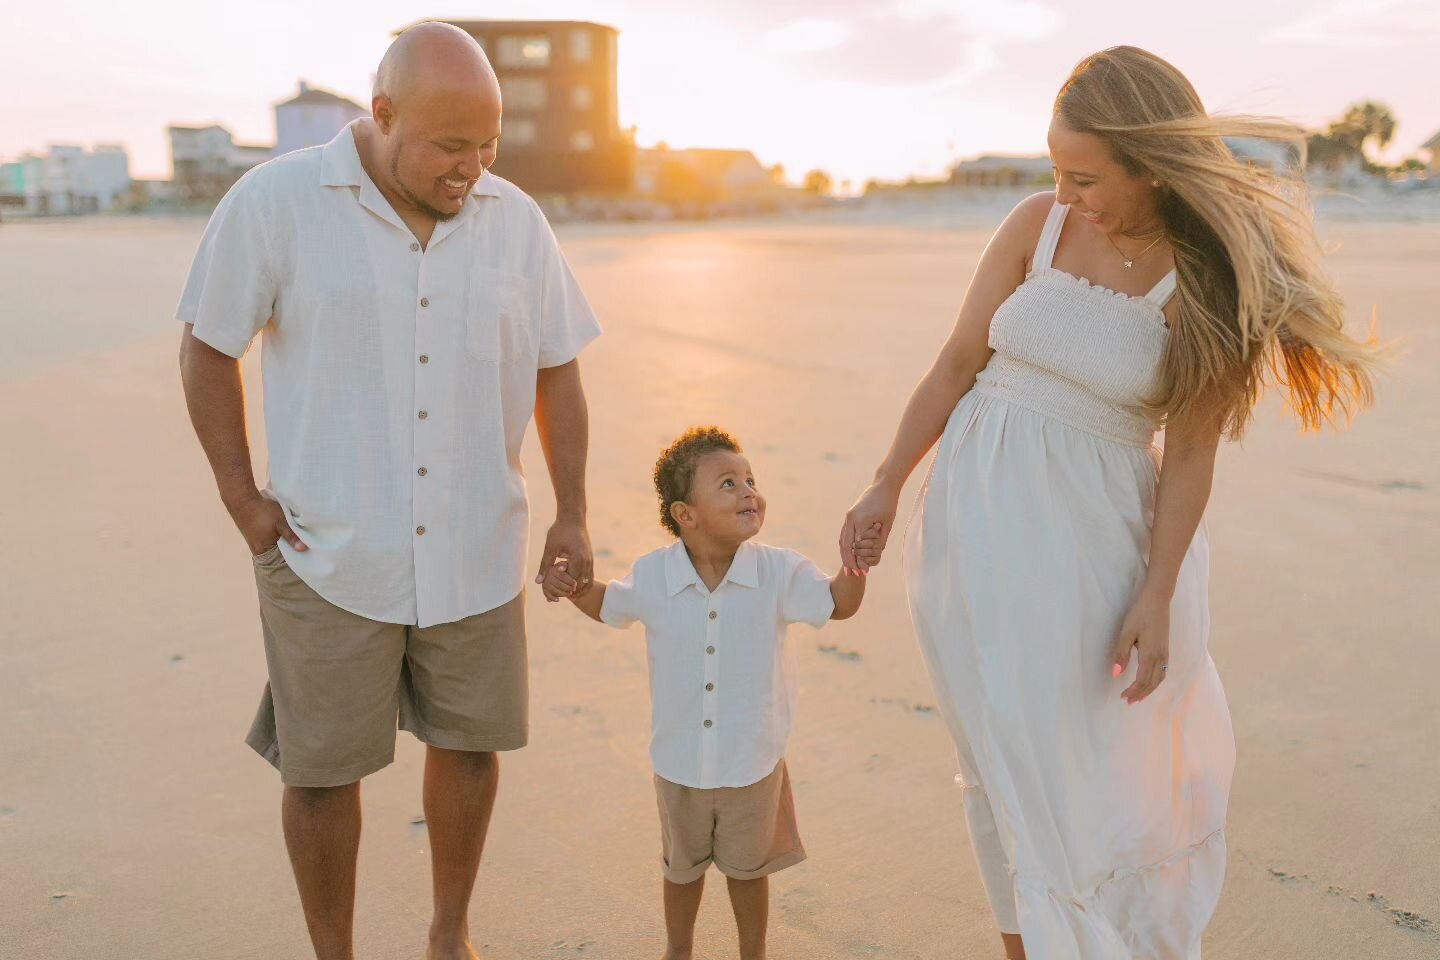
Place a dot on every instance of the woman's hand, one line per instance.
(872, 515)
(1146, 630)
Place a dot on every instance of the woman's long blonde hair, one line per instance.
(1252, 294)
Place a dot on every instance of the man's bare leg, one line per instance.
(682, 905)
(750, 900)
(1014, 949)
(322, 833)
(459, 798)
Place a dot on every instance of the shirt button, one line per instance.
(414, 247)
(424, 414)
(424, 358)
(420, 531)
(709, 723)
(709, 686)
(713, 614)
(424, 301)
(421, 472)
(709, 649)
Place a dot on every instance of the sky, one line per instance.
(860, 88)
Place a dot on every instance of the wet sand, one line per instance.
(135, 823)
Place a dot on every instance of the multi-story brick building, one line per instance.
(561, 132)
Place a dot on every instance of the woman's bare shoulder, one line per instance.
(1020, 231)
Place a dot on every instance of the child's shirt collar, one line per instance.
(680, 572)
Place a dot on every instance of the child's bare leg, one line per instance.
(1014, 949)
(682, 903)
(751, 902)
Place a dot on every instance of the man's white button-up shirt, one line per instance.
(398, 381)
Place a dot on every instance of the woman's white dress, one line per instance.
(1098, 826)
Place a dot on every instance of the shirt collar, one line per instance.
(340, 167)
(680, 572)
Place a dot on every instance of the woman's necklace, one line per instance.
(1130, 261)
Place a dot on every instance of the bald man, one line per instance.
(414, 312)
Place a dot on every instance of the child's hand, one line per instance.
(558, 584)
(869, 546)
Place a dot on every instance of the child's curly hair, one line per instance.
(675, 470)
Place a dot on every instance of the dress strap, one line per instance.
(1049, 237)
(1161, 293)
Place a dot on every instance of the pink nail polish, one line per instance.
(1116, 670)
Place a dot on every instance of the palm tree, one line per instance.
(817, 181)
(1365, 123)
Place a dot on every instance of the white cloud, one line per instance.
(911, 44)
(994, 20)
(1364, 25)
(806, 36)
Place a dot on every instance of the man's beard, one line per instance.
(409, 194)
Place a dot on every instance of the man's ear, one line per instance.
(681, 513)
(383, 110)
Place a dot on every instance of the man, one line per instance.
(416, 310)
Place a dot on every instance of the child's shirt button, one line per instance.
(709, 649)
(713, 614)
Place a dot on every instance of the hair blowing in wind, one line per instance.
(1255, 306)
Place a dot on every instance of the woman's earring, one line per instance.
(1154, 183)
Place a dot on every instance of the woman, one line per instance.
(1057, 572)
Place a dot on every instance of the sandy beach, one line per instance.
(136, 825)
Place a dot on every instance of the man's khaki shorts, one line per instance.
(747, 832)
(338, 682)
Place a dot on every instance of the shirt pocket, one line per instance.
(499, 317)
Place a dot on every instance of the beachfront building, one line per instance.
(561, 133)
(997, 170)
(1432, 146)
(12, 187)
(703, 176)
(312, 117)
(66, 180)
(207, 161)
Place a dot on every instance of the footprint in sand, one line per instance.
(924, 709)
(832, 650)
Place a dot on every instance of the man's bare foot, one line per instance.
(451, 951)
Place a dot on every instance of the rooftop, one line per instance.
(468, 25)
(309, 94)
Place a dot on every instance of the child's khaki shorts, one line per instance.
(339, 681)
(748, 832)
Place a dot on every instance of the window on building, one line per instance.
(523, 93)
(581, 98)
(581, 141)
(518, 51)
(518, 133)
(581, 49)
